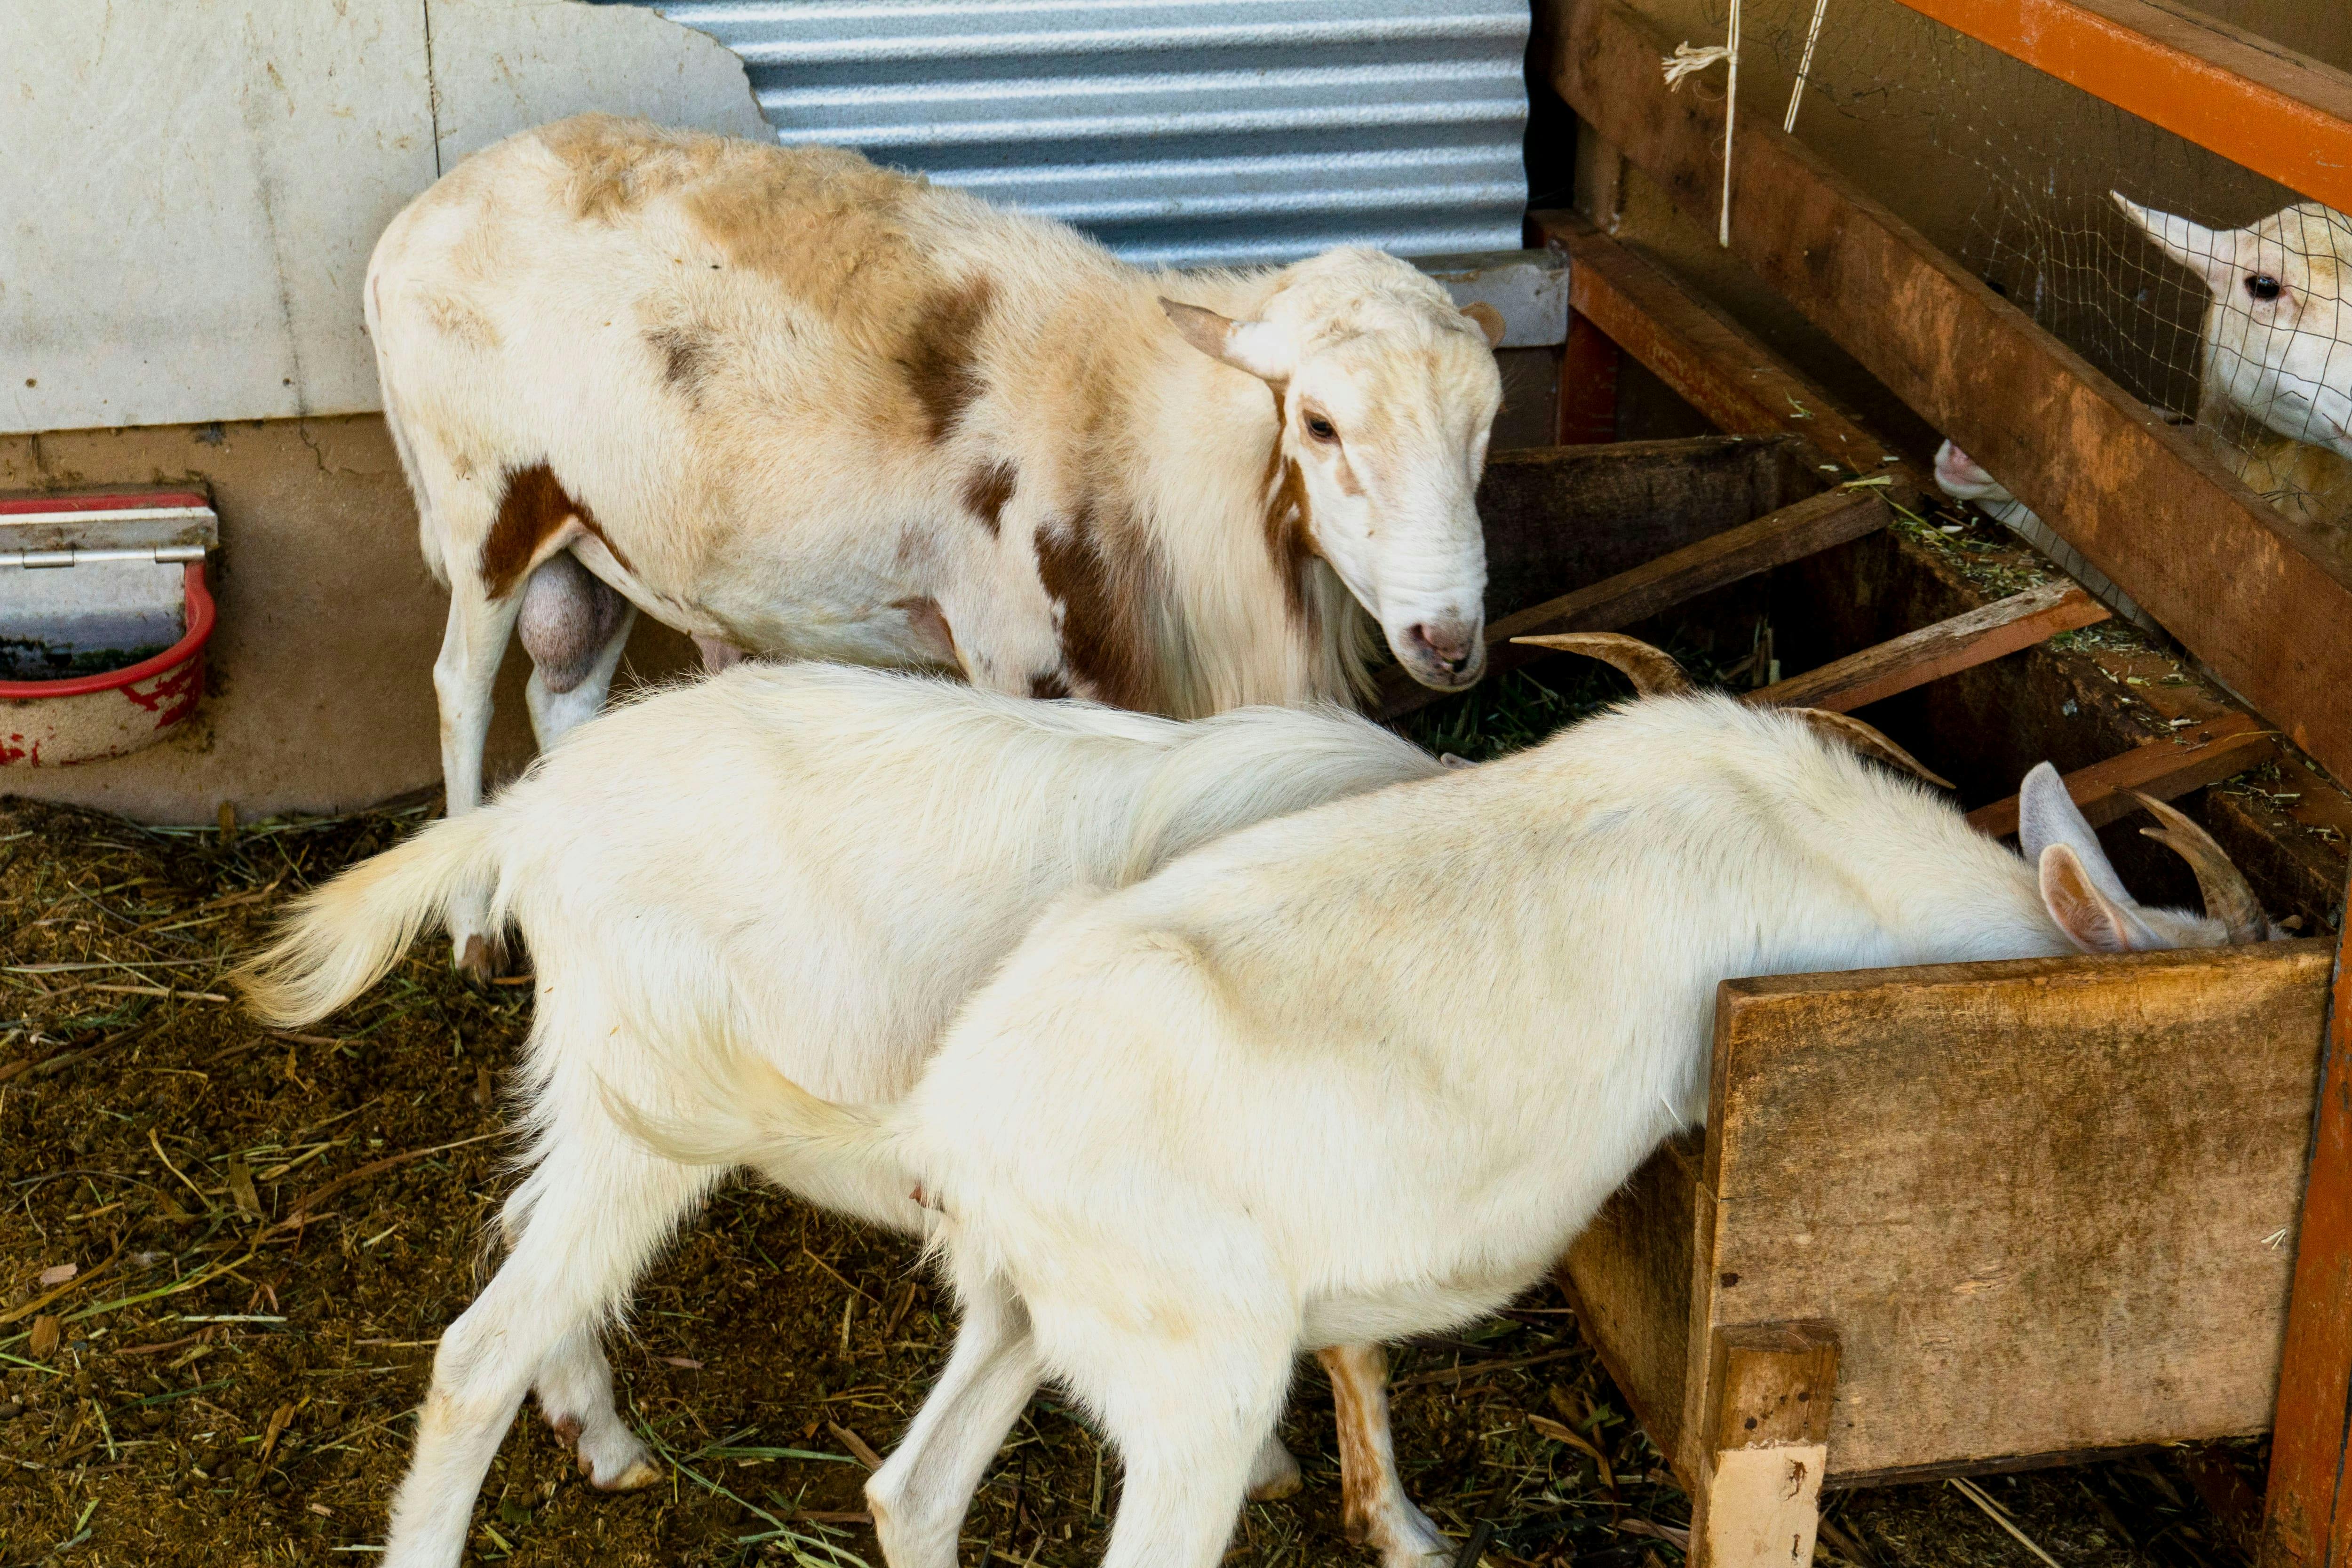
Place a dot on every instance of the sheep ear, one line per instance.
(2211, 254)
(1490, 321)
(2092, 920)
(1257, 347)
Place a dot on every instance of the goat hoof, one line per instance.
(1277, 1489)
(640, 1474)
(478, 961)
(1274, 1476)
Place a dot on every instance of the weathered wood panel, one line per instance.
(2257, 597)
(2042, 1201)
(1629, 1275)
(1559, 517)
(2304, 1523)
(1962, 642)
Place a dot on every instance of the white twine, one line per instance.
(1805, 66)
(1686, 61)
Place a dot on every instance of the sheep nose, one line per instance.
(1450, 643)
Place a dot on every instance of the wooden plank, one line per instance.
(1558, 518)
(1712, 363)
(1586, 408)
(1788, 534)
(2167, 768)
(1948, 646)
(2273, 110)
(1769, 1388)
(2304, 1520)
(2043, 1201)
(2258, 597)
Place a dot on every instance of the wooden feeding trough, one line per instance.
(1966, 1217)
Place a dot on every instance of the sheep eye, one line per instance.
(2262, 286)
(1321, 428)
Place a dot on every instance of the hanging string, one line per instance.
(1805, 65)
(1686, 61)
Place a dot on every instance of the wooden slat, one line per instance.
(2041, 1199)
(1588, 385)
(2305, 1520)
(2167, 769)
(1788, 534)
(1712, 363)
(2275, 111)
(2255, 595)
(1915, 658)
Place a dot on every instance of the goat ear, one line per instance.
(1489, 320)
(2046, 815)
(2092, 920)
(2211, 254)
(1257, 347)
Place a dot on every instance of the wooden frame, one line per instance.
(2270, 109)
(2245, 588)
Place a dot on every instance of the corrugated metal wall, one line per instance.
(1213, 131)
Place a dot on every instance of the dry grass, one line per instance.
(270, 1230)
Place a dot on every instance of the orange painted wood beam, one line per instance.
(2275, 111)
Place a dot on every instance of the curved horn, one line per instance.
(2227, 898)
(1848, 731)
(1652, 671)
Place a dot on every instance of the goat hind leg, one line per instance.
(921, 1496)
(471, 646)
(1373, 1506)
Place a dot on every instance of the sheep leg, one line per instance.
(921, 1496)
(584, 1224)
(1374, 1508)
(575, 1394)
(471, 646)
(1190, 1418)
(574, 628)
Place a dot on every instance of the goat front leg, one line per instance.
(1373, 1508)
(921, 1496)
(471, 646)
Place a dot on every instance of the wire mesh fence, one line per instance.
(2216, 296)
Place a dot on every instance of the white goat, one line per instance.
(798, 406)
(2278, 382)
(811, 861)
(1964, 479)
(1363, 1072)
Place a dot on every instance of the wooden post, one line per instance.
(2304, 1521)
(1767, 1397)
(1588, 386)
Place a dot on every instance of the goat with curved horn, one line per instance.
(2229, 898)
(1655, 673)
(1652, 670)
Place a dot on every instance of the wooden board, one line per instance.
(2255, 595)
(2045, 1204)
(2167, 768)
(2306, 1524)
(1558, 517)
(1915, 658)
(2269, 108)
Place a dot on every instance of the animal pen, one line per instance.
(1943, 1222)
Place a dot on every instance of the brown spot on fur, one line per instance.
(1047, 686)
(685, 355)
(930, 624)
(532, 506)
(986, 491)
(941, 358)
(1359, 1459)
(1288, 543)
(1103, 579)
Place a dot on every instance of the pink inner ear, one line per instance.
(2089, 921)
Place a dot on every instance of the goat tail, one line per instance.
(338, 940)
(733, 1109)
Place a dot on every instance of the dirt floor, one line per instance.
(265, 1232)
